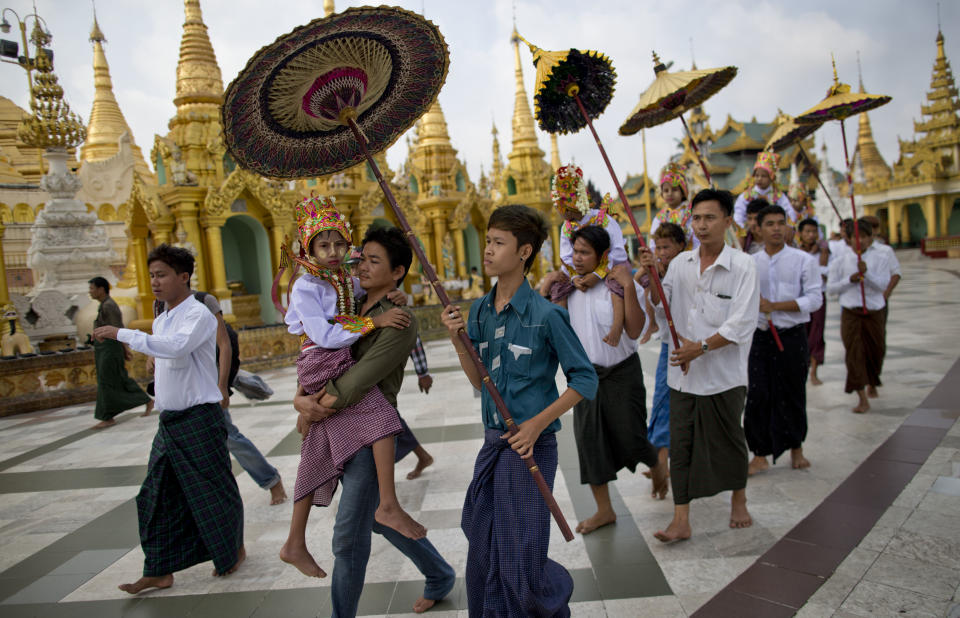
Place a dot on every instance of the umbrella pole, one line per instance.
(853, 209)
(696, 149)
(636, 228)
(445, 301)
(816, 174)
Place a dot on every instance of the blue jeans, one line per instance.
(249, 458)
(359, 498)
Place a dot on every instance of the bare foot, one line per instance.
(301, 558)
(872, 392)
(161, 582)
(739, 516)
(241, 556)
(676, 531)
(104, 424)
(799, 461)
(277, 494)
(148, 409)
(613, 338)
(392, 516)
(814, 380)
(420, 467)
(863, 406)
(661, 480)
(423, 604)
(597, 520)
(757, 464)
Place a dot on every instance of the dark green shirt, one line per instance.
(108, 314)
(381, 357)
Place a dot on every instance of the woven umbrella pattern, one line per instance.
(672, 94)
(788, 132)
(841, 102)
(281, 115)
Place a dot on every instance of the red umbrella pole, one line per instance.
(774, 333)
(853, 209)
(445, 301)
(636, 228)
(696, 149)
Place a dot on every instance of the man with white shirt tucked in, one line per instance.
(189, 507)
(714, 301)
(611, 428)
(862, 331)
(775, 419)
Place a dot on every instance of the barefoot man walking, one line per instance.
(713, 295)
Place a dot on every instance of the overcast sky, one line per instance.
(782, 50)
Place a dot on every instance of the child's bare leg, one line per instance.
(295, 551)
(390, 513)
(616, 330)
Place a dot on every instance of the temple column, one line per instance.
(162, 231)
(555, 243)
(439, 231)
(186, 214)
(461, 257)
(144, 291)
(893, 223)
(943, 210)
(218, 270)
(4, 292)
(930, 213)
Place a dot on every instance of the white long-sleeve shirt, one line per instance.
(788, 274)
(740, 206)
(724, 300)
(313, 302)
(875, 280)
(184, 344)
(591, 316)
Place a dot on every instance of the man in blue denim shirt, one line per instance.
(521, 338)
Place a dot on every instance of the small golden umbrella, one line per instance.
(840, 103)
(672, 94)
(573, 87)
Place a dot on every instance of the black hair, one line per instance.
(724, 198)
(673, 232)
(595, 236)
(177, 258)
(865, 226)
(394, 243)
(770, 209)
(525, 223)
(755, 206)
(806, 222)
(100, 282)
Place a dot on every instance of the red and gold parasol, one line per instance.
(840, 103)
(329, 94)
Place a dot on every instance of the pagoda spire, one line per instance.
(524, 128)
(198, 74)
(866, 155)
(107, 123)
(497, 159)
(432, 130)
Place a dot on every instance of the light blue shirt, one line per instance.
(521, 347)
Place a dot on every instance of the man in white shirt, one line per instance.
(861, 328)
(775, 419)
(610, 429)
(189, 507)
(879, 242)
(713, 296)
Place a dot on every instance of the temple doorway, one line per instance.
(246, 256)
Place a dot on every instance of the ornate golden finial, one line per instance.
(328, 9)
(658, 66)
(860, 72)
(833, 61)
(52, 124)
(198, 74)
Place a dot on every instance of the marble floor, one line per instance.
(68, 524)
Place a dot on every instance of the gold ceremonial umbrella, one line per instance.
(672, 94)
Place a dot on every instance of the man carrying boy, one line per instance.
(713, 296)
(189, 506)
(521, 338)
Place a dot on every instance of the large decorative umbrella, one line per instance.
(672, 94)
(839, 104)
(789, 133)
(573, 87)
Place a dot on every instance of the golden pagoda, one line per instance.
(867, 158)
(919, 199)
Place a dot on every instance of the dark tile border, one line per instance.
(784, 578)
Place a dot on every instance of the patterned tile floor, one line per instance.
(69, 534)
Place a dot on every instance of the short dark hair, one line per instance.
(525, 223)
(806, 222)
(177, 258)
(724, 198)
(100, 282)
(863, 224)
(770, 209)
(595, 236)
(755, 206)
(394, 243)
(671, 231)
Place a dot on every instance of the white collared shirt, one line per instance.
(740, 206)
(591, 316)
(892, 261)
(725, 299)
(875, 280)
(618, 251)
(788, 274)
(184, 344)
(313, 303)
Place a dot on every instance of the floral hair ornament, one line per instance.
(674, 174)
(769, 161)
(568, 191)
(317, 214)
(797, 192)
